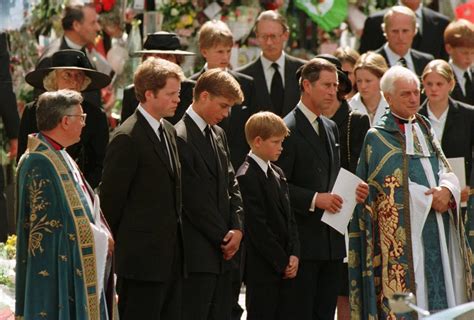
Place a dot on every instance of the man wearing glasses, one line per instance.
(64, 246)
(71, 70)
(274, 71)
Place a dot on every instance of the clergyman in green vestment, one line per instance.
(62, 269)
(408, 237)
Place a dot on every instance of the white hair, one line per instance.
(387, 83)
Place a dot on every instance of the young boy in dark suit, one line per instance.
(271, 235)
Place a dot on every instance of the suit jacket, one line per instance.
(420, 59)
(292, 89)
(212, 204)
(352, 126)
(141, 199)
(431, 41)
(270, 227)
(130, 102)
(309, 169)
(88, 153)
(45, 61)
(8, 109)
(457, 93)
(458, 134)
(234, 124)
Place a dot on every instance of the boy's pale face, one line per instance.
(463, 57)
(268, 149)
(218, 56)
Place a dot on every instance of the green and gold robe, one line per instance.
(56, 276)
(382, 233)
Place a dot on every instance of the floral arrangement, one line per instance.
(7, 261)
(180, 16)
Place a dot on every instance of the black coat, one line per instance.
(271, 235)
(234, 124)
(212, 204)
(309, 169)
(457, 93)
(88, 153)
(130, 102)
(352, 126)
(458, 134)
(292, 88)
(140, 197)
(8, 108)
(432, 40)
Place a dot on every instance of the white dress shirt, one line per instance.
(393, 58)
(268, 70)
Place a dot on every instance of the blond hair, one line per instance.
(400, 10)
(440, 67)
(50, 82)
(218, 83)
(372, 62)
(265, 124)
(347, 54)
(272, 15)
(153, 74)
(214, 33)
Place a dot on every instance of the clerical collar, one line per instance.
(56, 145)
(402, 120)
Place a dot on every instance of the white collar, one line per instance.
(155, 124)
(393, 57)
(264, 165)
(431, 115)
(458, 71)
(197, 118)
(71, 44)
(310, 115)
(267, 64)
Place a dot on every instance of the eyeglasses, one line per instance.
(266, 37)
(83, 116)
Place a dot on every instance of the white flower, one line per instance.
(174, 12)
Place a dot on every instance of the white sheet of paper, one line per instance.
(345, 186)
(459, 169)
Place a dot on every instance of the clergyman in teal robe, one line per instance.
(56, 274)
(397, 242)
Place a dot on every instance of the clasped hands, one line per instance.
(231, 243)
(333, 203)
(441, 198)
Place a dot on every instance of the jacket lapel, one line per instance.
(261, 83)
(310, 135)
(156, 142)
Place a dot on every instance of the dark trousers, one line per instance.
(3, 207)
(317, 286)
(153, 300)
(270, 300)
(207, 296)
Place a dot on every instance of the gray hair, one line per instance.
(50, 82)
(387, 83)
(400, 10)
(53, 106)
(272, 15)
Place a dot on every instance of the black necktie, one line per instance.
(402, 61)
(277, 92)
(163, 146)
(467, 85)
(212, 144)
(322, 132)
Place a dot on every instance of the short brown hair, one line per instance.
(312, 69)
(218, 83)
(459, 33)
(152, 75)
(214, 33)
(272, 15)
(73, 13)
(53, 106)
(265, 124)
(372, 62)
(347, 54)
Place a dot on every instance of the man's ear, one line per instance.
(257, 141)
(64, 123)
(388, 97)
(204, 53)
(449, 48)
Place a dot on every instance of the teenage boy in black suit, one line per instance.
(212, 205)
(271, 236)
(140, 196)
(311, 162)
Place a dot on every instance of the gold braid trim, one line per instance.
(83, 230)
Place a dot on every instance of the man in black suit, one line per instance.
(212, 205)
(429, 37)
(141, 198)
(81, 25)
(400, 28)
(311, 162)
(10, 119)
(274, 72)
(164, 45)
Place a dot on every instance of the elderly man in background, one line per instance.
(64, 247)
(409, 236)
